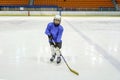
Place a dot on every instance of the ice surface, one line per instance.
(91, 46)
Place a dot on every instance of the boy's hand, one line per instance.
(56, 44)
(50, 38)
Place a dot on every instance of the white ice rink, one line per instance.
(91, 46)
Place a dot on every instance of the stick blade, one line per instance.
(73, 71)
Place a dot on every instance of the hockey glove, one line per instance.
(50, 37)
(57, 44)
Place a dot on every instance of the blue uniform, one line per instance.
(56, 32)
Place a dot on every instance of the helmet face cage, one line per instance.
(56, 21)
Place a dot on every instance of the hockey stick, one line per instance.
(73, 71)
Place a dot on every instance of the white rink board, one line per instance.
(67, 13)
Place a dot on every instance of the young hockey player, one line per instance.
(54, 32)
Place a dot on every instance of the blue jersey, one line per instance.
(56, 32)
